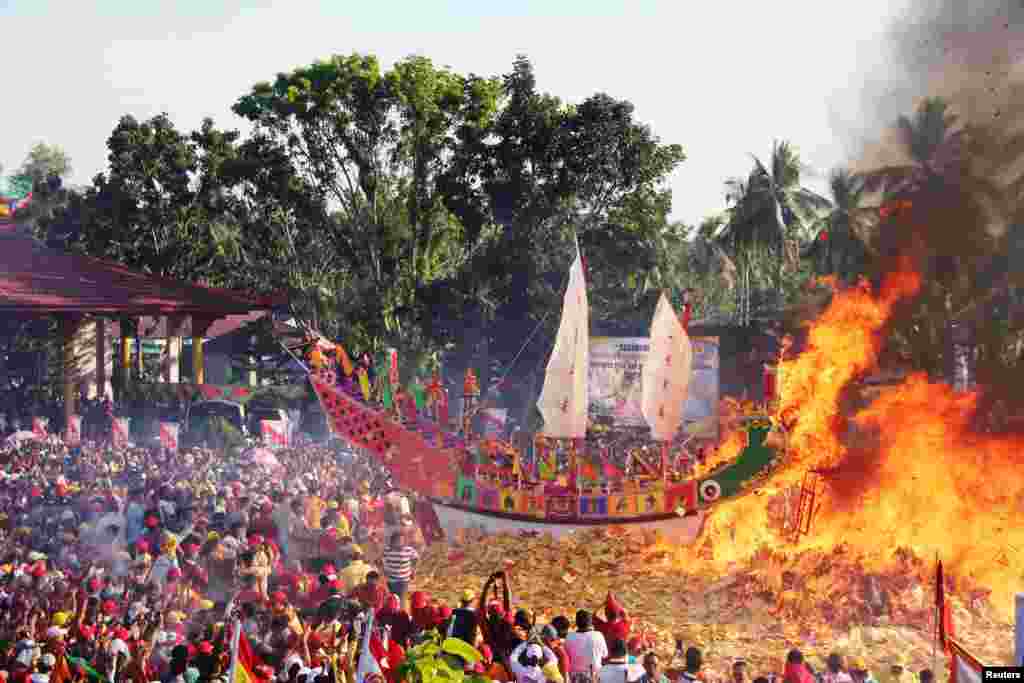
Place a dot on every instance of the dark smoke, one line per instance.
(965, 231)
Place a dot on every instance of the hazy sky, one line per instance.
(722, 79)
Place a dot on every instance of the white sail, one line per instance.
(564, 400)
(665, 379)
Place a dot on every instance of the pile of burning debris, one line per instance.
(818, 600)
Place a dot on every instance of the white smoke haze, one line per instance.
(968, 52)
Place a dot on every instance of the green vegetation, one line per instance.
(435, 212)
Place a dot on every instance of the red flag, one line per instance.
(944, 615)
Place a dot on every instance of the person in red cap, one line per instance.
(397, 619)
(442, 617)
(420, 611)
(616, 625)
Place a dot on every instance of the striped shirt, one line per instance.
(398, 563)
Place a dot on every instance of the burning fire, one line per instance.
(904, 473)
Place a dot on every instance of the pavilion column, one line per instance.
(104, 361)
(86, 361)
(200, 326)
(171, 370)
(128, 326)
(68, 325)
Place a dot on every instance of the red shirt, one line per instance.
(374, 598)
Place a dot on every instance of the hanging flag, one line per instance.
(119, 431)
(275, 433)
(169, 435)
(364, 383)
(344, 361)
(442, 407)
(368, 664)
(419, 394)
(393, 367)
(611, 471)
(244, 661)
(564, 399)
(73, 433)
(665, 376)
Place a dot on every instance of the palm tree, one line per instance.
(841, 246)
(770, 213)
(932, 141)
(790, 208)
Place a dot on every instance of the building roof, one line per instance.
(155, 327)
(36, 279)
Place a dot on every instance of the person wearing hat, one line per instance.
(356, 570)
(616, 624)
(859, 671)
(549, 636)
(420, 610)
(399, 621)
(527, 662)
(899, 672)
(464, 621)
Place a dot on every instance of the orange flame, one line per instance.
(922, 481)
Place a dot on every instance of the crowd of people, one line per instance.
(137, 564)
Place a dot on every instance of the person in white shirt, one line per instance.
(586, 649)
(527, 663)
(617, 670)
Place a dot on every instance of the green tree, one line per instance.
(770, 215)
(361, 150)
(147, 211)
(932, 142)
(44, 162)
(540, 173)
(842, 244)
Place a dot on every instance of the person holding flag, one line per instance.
(963, 666)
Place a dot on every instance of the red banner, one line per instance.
(169, 435)
(275, 433)
(73, 433)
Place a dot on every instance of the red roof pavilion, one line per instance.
(36, 280)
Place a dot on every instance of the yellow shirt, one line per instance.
(314, 510)
(355, 574)
(342, 526)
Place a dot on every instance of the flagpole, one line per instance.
(938, 614)
(236, 636)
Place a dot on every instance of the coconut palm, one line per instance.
(841, 246)
(790, 208)
(932, 141)
(770, 213)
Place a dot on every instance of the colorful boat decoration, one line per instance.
(564, 482)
